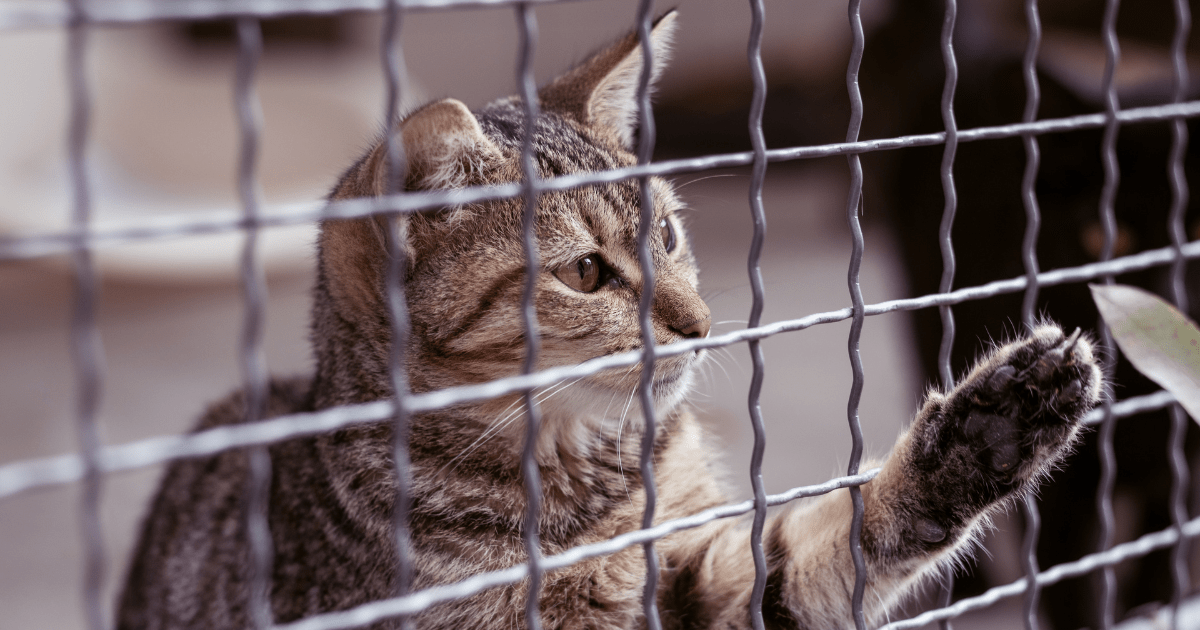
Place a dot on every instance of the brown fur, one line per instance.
(332, 500)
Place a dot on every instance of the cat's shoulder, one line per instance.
(284, 396)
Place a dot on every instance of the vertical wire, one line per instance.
(529, 468)
(254, 371)
(396, 242)
(645, 305)
(948, 191)
(1179, 201)
(758, 174)
(944, 234)
(858, 309)
(1033, 226)
(1033, 160)
(86, 350)
(1108, 220)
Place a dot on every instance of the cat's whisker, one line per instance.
(620, 462)
(604, 419)
(700, 179)
(604, 416)
(498, 426)
(743, 322)
(723, 353)
(712, 295)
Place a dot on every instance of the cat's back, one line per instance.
(191, 565)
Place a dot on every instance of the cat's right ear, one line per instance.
(444, 147)
(601, 93)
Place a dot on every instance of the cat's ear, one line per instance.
(444, 147)
(602, 91)
(444, 143)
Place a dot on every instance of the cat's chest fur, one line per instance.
(467, 517)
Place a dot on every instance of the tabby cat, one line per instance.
(968, 452)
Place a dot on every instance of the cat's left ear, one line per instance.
(601, 92)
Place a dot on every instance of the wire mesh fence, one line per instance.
(94, 460)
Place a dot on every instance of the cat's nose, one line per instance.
(696, 329)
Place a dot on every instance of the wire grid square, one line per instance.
(96, 460)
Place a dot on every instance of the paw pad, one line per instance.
(1006, 423)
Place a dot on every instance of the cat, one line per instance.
(967, 453)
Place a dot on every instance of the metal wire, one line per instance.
(1180, 474)
(1033, 224)
(94, 460)
(1108, 220)
(16, 14)
(21, 476)
(1033, 214)
(396, 242)
(40, 244)
(527, 24)
(944, 232)
(857, 309)
(86, 351)
(646, 225)
(253, 359)
(759, 217)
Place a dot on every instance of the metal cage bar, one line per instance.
(47, 243)
(86, 351)
(253, 360)
(94, 460)
(950, 193)
(527, 24)
(646, 225)
(1179, 201)
(1033, 225)
(857, 309)
(1108, 220)
(24, 475)
(395, 243)
(754, 270)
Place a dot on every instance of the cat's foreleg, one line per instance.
(967, 453)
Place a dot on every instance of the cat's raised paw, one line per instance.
(1005, 424)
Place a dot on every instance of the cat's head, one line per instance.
(466, 265)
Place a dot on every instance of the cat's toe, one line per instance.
(1049, 378)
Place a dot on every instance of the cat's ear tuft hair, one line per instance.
(601, 92)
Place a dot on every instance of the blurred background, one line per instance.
(164, 142)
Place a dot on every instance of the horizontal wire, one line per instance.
(17, 14)
(1057, 573)
(1132, 406)
(19, 476)
(36, 245)
(421, 600)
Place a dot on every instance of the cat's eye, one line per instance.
(583, 275)
(668, 235)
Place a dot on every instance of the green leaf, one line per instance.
(1161, 342)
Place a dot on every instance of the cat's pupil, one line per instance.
(589, 273)
(668, 235)
(583, 275)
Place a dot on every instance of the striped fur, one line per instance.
(967, 452)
